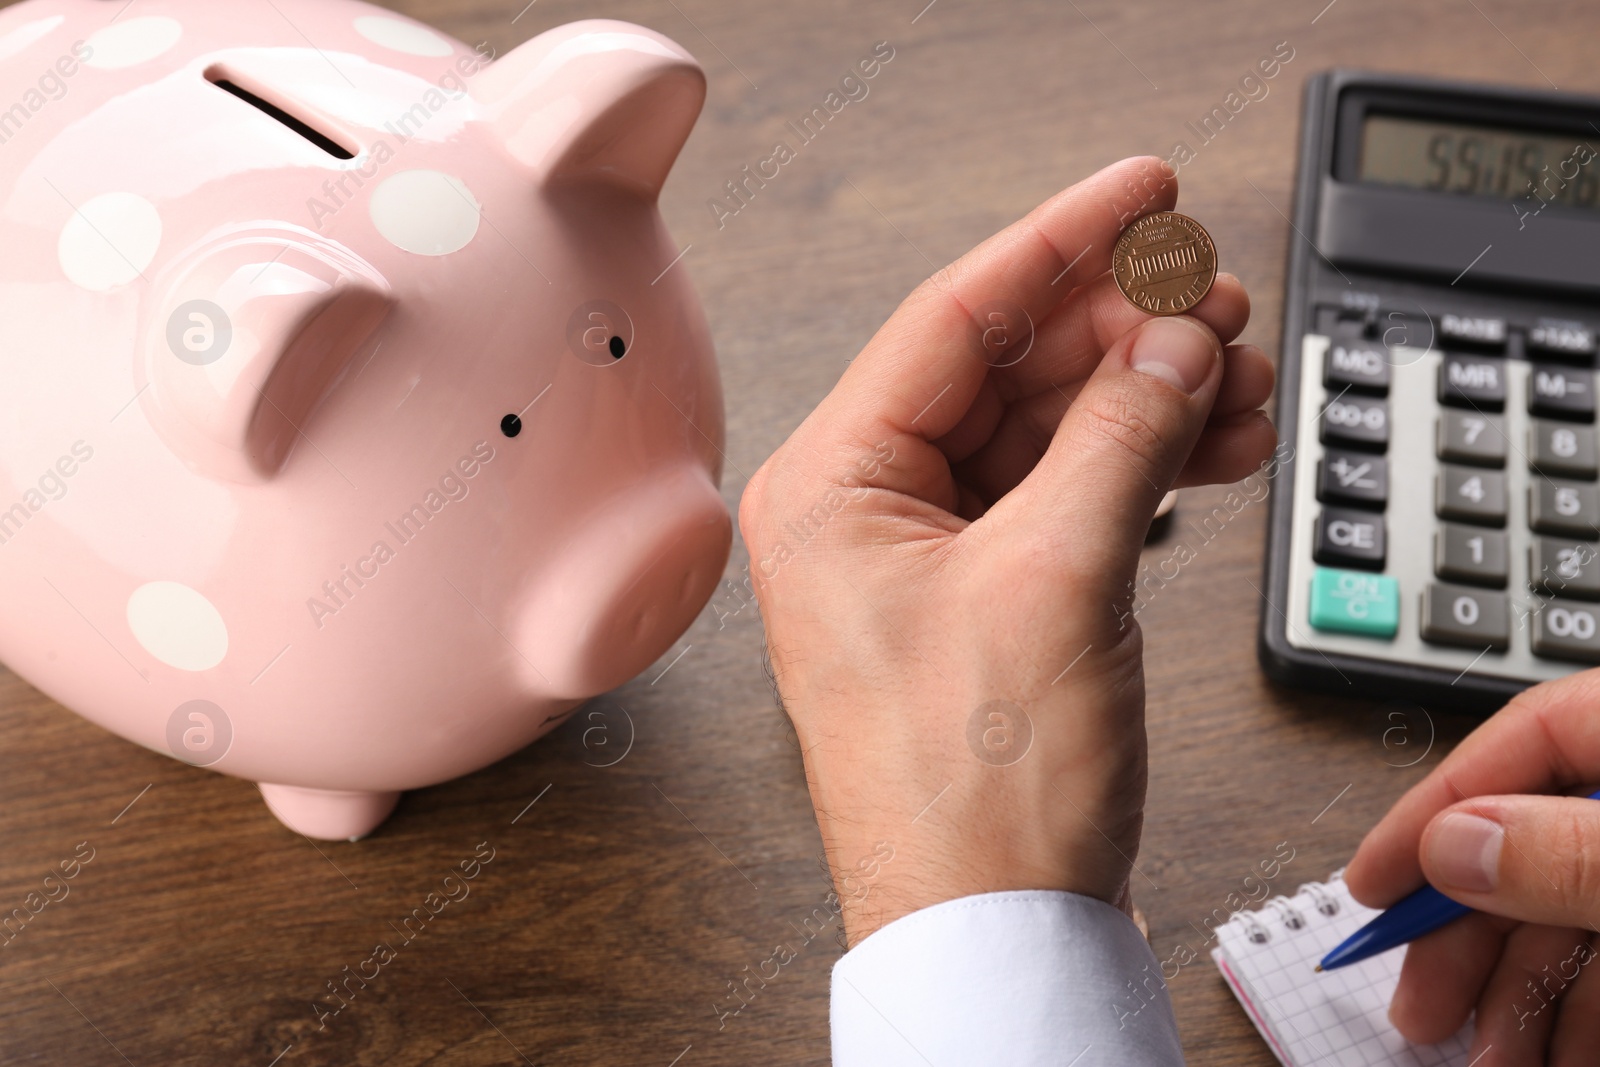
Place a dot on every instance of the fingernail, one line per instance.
(1174, 350)
(1464, 852)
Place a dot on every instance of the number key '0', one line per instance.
(1455, 615)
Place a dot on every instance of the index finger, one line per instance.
(1546, 740)
(921, 371)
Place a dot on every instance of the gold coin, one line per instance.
(1164, 263)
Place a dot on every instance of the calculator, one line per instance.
(1435, 517)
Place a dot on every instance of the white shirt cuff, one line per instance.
(1014, 979)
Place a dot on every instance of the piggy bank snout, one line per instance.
(627, 585)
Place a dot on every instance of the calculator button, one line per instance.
(1470, 495)
(1471, 554)
(1561, 337)
(1478, 330)
(1355, 420)
(1565, 568)
(1352, 478)
(1472, 437)
(1468, 381)
(1564, 508)
(1564, 391)
(1349, 537)
(1566, 629)
(1358, 365)
(1561, 448)
(1354, 603)
(1456, 615)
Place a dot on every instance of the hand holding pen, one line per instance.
(1528, 867)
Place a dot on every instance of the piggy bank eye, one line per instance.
(511, 425)
(618, 349)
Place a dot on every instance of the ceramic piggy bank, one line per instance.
(358, 418)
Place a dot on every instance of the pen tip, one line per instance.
(1318, 968)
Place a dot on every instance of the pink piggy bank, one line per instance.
(359, 419)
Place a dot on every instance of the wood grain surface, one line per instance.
(619, 906)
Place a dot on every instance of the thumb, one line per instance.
(1123, 442)
(1536, 859)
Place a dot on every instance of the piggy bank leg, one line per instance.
(329, 814)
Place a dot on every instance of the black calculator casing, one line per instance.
(1412, 254)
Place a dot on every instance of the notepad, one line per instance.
(1338, 1018)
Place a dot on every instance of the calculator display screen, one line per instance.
(1480, 160)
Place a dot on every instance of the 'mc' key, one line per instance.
(1359, 366)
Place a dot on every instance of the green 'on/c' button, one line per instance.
(1355, 602)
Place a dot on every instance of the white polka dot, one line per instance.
(109, 240)
(124, 44)
(407, 37)
(29, 32)
(426, 212)
(178, 626)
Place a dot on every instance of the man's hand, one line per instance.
(944, 551)
(1531, 864)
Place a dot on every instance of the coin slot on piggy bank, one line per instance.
(225, 79)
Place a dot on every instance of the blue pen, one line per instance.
(1421, 913)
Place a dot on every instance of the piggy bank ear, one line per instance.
(595, 99)
(246, 337)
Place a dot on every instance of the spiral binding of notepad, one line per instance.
(1268, 956)
(1321, 901)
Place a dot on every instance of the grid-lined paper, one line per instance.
(1335, 1019)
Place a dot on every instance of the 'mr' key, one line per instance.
(1468, 381)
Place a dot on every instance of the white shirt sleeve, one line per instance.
(1023, 979)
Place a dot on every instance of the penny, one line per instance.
(1164, 263)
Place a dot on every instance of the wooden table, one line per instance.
(618, 907)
